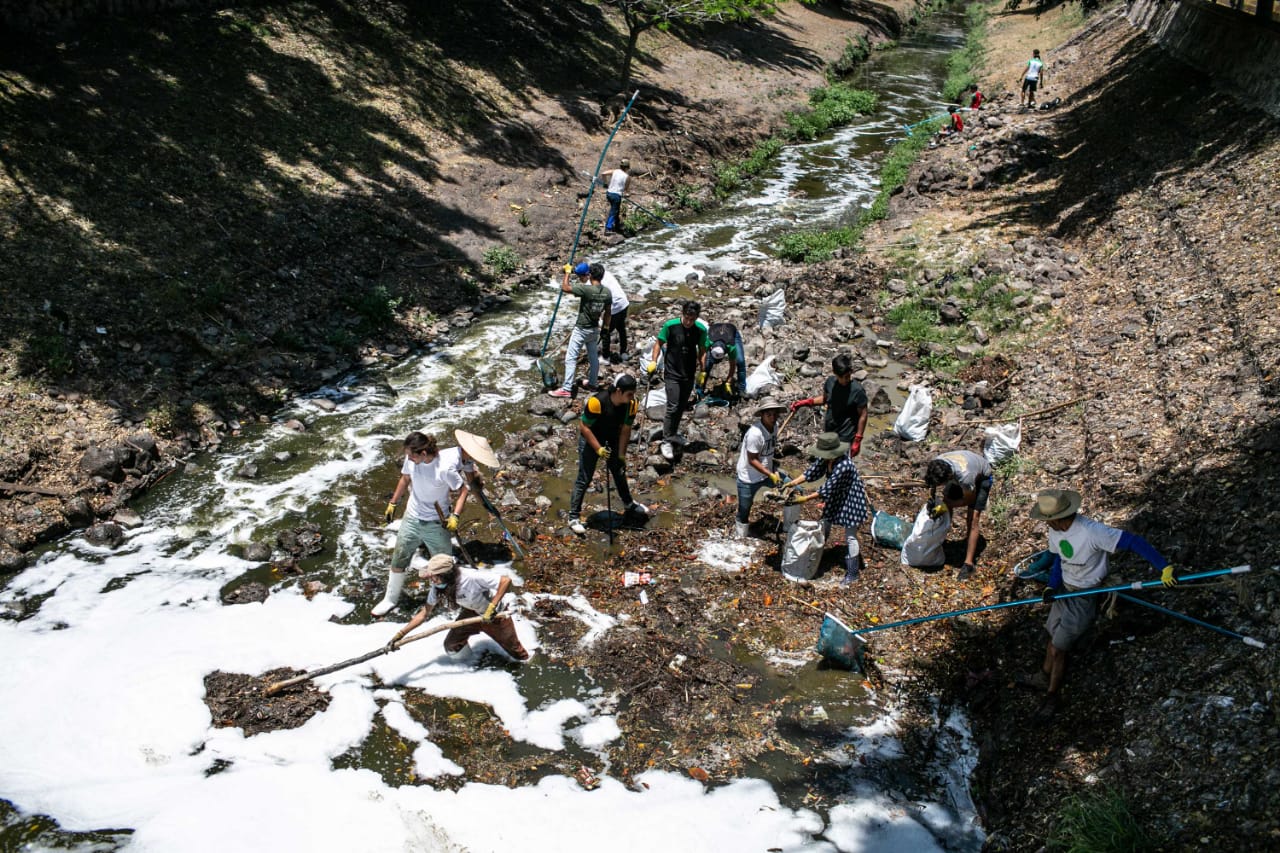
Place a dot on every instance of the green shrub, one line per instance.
(685, 197)
(731, 176)
(829, 106)
(812, 246)
(49, 353)
(855, 53)
(1098, 822)
(501, 260)
(963, 63)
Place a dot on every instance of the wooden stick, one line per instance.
(325, 670)
(444, 524)
(1038, 412)
(31, 490)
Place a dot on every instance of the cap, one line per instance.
(582, 269)
(717, 352)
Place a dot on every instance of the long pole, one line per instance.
(484, 499)
(276, 687)
(1238, 570)
(1248, 641)
(649, 213)
(445, 524)
(583, 218)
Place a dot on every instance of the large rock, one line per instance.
(106, 462)
(106, 534)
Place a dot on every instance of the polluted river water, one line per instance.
(106, 742)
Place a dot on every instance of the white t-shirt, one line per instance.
(620, 300)
(476, 589)
(1084, 547)
(761, 442)
(617, 181)
(429, 484)
(451, 458)
(1033, 69)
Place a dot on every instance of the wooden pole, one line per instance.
(275, 688)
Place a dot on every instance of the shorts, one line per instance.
(1029, 85)
(1069, 619)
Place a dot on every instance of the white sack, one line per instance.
(1001, 442)
(772, 309)
(763, 376)
(803, 551)
(655, 403)
(913, 421)
(924, 545)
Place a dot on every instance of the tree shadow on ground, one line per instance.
(1150, 118)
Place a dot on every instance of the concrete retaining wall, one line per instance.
(1241, 51)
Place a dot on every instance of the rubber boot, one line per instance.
(741, 528)
(852, 561)
(395, 584)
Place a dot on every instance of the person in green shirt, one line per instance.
(685, 342)
(595, 299)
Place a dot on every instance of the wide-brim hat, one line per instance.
(477, 447)
(828, 446)
(769, 404)
(437, 566)
(1052, 504)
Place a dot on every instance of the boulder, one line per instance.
(105, 534)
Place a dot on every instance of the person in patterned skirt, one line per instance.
(844, 497)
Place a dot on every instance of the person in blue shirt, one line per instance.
(1080, 547)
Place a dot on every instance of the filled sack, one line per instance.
(924, 545)
(888, 530)
(803, 551)
(762, 377)
(1001, 442)
(913, 421)
(772, 309)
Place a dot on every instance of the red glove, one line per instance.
(856, 446)
(799, 404)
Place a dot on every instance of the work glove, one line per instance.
(856, 446)
(568, 268)
(451, 523)
(650, 367)
(775, 478)
(604, 452)
(1049, 595)
(797, 405)
(700, 378)
(489, 611)
(390, 514)
(1166, 576)
(728, 389)
(937, 510)
(394, 643)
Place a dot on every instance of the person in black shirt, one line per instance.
(603, 433)
(846, 402)
(685, 339)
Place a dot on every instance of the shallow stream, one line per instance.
(102, 723)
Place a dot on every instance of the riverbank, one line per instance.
(346, 188)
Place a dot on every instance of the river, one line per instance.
(107, 744)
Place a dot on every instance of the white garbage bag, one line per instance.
(913, 421)
(655, 403)
(803, 551)
(763, 376)
(924, 544)
(1001, 442)
(772, 309)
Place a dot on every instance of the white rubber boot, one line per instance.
(742, 528)
(395, 584)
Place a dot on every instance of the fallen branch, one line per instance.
(1038, 412)
(32, 490)
(325, 670)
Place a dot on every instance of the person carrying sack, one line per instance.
(844, 497)
(725, 343)
(966, 479)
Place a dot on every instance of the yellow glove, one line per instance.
(700, 378)
(451, 523)
(1166, 576)
(390, 514)
(775, 478)
(651, 367)
(489, 611)
(568, 268)
(937, 511)
(603, 452)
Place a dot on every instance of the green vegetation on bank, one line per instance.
(962, 65)
(855, 53)
(917, 317)
(829, 107)
(1098, 822)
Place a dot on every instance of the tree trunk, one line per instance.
(633, 37)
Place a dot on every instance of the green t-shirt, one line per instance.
(595, 299)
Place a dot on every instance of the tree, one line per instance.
(641, 15)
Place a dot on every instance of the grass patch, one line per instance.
(963, 64)
(854, 54)
(1098, 822)
(732, 176)
(502, 261)
(829, 107)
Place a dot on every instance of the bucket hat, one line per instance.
(1052, 504)
(769, 404)
(828, 446)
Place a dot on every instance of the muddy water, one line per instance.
(339, 473)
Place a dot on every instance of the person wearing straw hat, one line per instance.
(1080, 548)
(428, 483)
(755, 460)
(604, 433)
(844, 497)
(474, 593)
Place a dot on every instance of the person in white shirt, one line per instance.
(1032, 76)
(428, 481)
(616, 185)
(474, 593)
(755, 461)
(1080, 548)
(615, 319)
